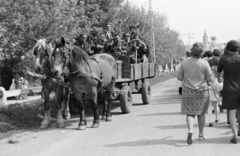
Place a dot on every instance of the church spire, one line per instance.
(205, 40)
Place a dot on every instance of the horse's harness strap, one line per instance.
(101, 75)
(90, 76)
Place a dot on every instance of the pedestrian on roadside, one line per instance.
(214, 94)
(195, 74)
(215, 99)
(179, 83)
(230, 64)
(207, 55)
(188, 54)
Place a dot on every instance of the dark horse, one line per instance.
(43, 65)
(88, 76)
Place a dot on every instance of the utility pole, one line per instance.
(152, 30)
(190, 37)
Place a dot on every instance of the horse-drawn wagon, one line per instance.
(128, 73)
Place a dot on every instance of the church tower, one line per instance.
(205, 40)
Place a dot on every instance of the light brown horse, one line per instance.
(88, 77)
(43, 66)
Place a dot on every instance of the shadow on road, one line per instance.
(138, 104)
(162, 114)
(171, 142)
(184, 126)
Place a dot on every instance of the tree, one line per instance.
(23, 20)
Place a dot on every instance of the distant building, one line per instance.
(205, 41)
(208, 45)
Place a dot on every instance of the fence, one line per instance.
(12, 93)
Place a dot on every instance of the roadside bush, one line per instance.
(22, 116)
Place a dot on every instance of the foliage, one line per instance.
(23, 20)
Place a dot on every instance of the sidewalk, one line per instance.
(30, 98)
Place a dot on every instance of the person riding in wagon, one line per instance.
(82, 43)
(127, 46)
(109, 35)
(140, 47)
(99, 45)
(117, 49)
(133, 32)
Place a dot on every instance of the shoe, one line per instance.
(210, 124)
(189, 138)
(234, 140)
(201, 137)
(216, 121)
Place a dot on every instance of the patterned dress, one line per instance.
(194, 74)
(194, 102)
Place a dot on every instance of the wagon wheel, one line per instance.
(126, 99)
(146, 92)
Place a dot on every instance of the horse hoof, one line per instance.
(81, 127)
(95, 125)
(43, 126)
(103, 118)
(109, 118)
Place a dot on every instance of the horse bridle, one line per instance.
(67, 52)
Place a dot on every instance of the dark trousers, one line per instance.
(180, 90)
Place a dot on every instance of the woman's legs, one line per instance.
(228, 122)
(201, 122)
(210, 114)
(232, 120)
(190, 122)
(215, 106)
(238, 120)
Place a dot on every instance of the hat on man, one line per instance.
(233, 46)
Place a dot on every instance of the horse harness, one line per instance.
(68, 52)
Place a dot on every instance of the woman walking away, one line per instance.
(230, 64)
(195, 73)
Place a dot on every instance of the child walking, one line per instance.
(214, 94)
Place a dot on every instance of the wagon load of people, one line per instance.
(88, 68)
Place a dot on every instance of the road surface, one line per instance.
(157, 129)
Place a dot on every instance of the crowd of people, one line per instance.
(129, 44)
(210, 79)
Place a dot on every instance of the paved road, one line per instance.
(156, 129)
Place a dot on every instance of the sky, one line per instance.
(220, 18)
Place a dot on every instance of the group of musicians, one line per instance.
(130, 44)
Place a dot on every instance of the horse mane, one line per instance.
(79, 54)
(42, 43)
